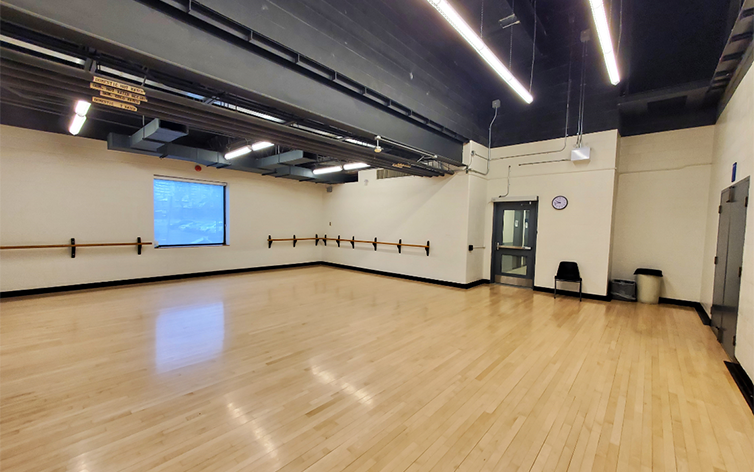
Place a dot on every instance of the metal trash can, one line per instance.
(648, 283)
(624, 290)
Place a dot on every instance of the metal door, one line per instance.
(514, 243)
(729, 264)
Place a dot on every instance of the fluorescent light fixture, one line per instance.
(76, 124)
(82, 107)
(327, 170)
(603, 33)
(455, 20)
(243, 150)
(261, 145)
(355, 165)
(41, 50)
(359, 143)
(246, 111)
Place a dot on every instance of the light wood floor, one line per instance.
(323, 369)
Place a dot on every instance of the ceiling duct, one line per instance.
(32, 74)
(156, 133)
(294, 173)
(148, 139)
(290, 158)
(200, 156)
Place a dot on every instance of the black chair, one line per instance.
(567, 272)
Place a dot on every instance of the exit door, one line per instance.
(729, 264)
(514, 243)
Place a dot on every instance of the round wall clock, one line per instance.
(559, 202)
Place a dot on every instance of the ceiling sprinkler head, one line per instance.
(377, 148)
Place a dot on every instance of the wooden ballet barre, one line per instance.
(73, 246)
(400, 244)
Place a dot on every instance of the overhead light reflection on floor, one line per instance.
(259, 432)
(188, 335)
(325, 376)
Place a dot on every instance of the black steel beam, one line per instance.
(177, 43)
(34, 75)
(530, 21)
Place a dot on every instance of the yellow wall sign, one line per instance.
(114, 104)
(127, 96)
(118, 85)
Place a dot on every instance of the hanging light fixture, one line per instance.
(455, 20)
(243, 150)
(606, 42)
(79, 118)
(355, 166)
(327, 170)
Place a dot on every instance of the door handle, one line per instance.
(520, 248)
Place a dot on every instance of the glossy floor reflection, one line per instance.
(188, 335)
(322, 369)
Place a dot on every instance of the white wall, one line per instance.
(582, 231)
(734, 142)
(413, 209)
(661, 208)
(54, 187)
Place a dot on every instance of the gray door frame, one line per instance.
(729, 263)
(496, 274)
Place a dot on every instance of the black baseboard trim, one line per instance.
(166, 278)
(144, 280)
(444, 283)
(569, 293)
(743, 381)
(695, 305)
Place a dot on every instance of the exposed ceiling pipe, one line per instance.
(162, 103)
(496, 106)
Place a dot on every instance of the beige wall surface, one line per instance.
(64, 186)
(734, 142)
(412, 209)
(55, 187)
(582, 231)
(661, 208)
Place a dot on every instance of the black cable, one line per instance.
(481, 22)
(533, 47)
(510, 55)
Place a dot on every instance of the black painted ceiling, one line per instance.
(661, 45)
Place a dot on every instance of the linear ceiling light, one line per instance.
(243, 150)
(81, 109)
(261, 145)
(327, 170)
(76, 124)
(603, 32)
(359, 143)
(355, 165)
(476, 42)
